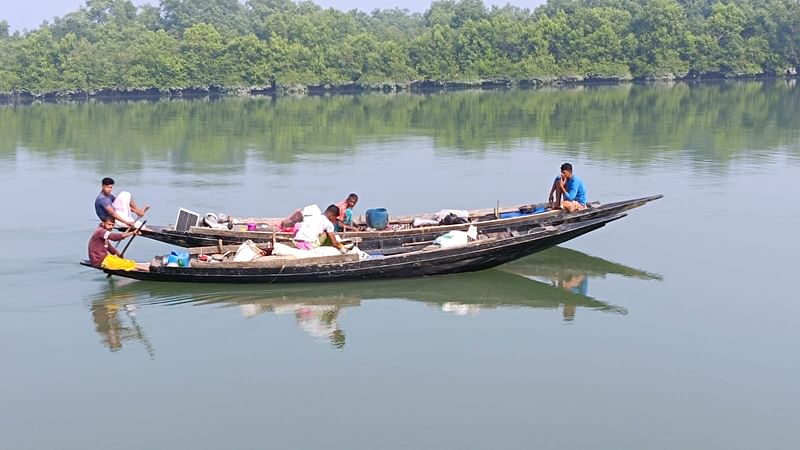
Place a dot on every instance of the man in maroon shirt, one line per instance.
(99, 245)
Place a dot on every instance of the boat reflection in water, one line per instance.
(571, 270)
(556, 278)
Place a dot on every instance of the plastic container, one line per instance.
(377, 218)
(180, 259)
(251, 227)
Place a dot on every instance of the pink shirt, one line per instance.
(342, 208)
(99, 246)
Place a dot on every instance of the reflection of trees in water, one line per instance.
(628, 123)
(317, 307)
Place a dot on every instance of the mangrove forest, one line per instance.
(273, 44)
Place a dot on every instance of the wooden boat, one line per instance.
(490, 250)
(400, 232)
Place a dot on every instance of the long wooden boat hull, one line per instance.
(376, 240)
(479, 255)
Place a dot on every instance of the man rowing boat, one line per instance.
(99, 244)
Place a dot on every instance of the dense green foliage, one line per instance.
(634, 124)
(112, 44)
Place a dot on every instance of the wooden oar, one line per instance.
(129, 242)
(140, 334)
(129, 227)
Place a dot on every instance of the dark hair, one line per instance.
(353, 195)
(333, 209)
(108, 219)
(567, 167)
(107, 180)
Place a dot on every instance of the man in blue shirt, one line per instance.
(119, 207)
(567, 192)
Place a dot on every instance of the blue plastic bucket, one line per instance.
(377, 218)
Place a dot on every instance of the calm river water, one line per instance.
(676, 327)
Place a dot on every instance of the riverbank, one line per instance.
(420, 86)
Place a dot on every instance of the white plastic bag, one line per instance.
(311, 210)
(456, 238)
(452, 239)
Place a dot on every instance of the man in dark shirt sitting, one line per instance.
(117, 207)
(99, 245)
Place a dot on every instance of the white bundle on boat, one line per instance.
(247, 251)
(311, 210)
(287, 250)
(464, 214)
(456, 238)
(419, 222)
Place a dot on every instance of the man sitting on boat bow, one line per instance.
(567, 192)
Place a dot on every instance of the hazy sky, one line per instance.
(29, 14)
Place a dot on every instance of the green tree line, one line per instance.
(113, 44)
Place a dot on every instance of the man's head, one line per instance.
(332, 212)
(352, 199)
(566, 171)
(108, 185)
(108, 223)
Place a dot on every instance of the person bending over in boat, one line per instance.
(567, 192)
(344, 220)
(316, 228)
(99, 245)
(117, 207)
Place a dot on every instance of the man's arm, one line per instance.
(571, 193)
(112, 250)
(120, 236)
(334, 241)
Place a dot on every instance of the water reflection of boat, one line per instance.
(316, 307)
(560, 262)
(114, 318)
